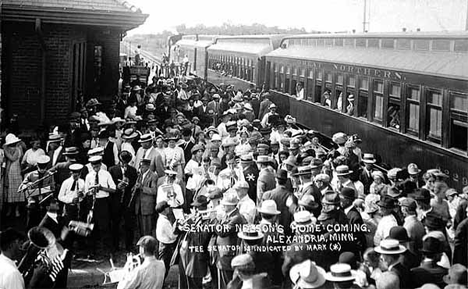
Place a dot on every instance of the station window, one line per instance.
(458, 121)
(413, 110)
(434, 115)
(378, 104)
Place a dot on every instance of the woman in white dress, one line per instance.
(174, 156)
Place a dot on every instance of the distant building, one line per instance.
(54, 50)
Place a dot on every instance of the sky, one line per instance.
(323, 15)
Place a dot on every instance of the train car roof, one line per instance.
(415, 35)
(445, 64)
(254, 45)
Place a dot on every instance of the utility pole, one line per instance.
(466, 24)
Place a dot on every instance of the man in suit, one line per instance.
(264, 105)
(266, 177)
(74, 131)
(250, 175)
(347, 197)
(187, 143)
(285, 200)
(308, 187)
(226, 238)
(145, 198)
(125, 177)
(63, 173)
(390, 250)
(429, 271)
(366, 173)
(164, 111)
(146, 151)
(460, 250)
(111, 153)
(413, 226)
(204, 113)
(215, 107)
(55, 149)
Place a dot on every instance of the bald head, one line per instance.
(388, 280)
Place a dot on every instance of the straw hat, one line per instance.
(339, 272)
(269, 207)
(11, 139)
(390, 247)
(307, 275)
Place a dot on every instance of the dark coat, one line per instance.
(460, 250)
(227, 236)
(428, 272)
(280, 195)
(403, 274)
(187, 147)
(354, 217)
(132, 175)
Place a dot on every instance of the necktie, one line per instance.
(144, 153)
(73, 186)
(96, 180)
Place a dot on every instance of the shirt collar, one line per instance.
(8, 260)
(348, 209)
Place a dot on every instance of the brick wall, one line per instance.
(23, 68)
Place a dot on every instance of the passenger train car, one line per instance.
(404, 94)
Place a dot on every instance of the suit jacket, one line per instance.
(354, 217)
(314, 191)
(366, 179)
(428, 272)
(264, 106)
(187, 147)
(460, 215)
(280, 195)
(255, 105)
(60, 158)
(227, 236)
(195, 262)
(415, 230)
(157, 163)
(145, 200)
(460, 250)
(266, 182)
(403, 274)
(132, 175)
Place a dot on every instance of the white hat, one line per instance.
(339, 272)
(216, 137)
(95, 159)
(390, 247)
(251, 233)
(43, 160)
(269, 207)
(272, 106)
(307, 275)
(11, 139)
(170, 172)
(302, 217)
(230, 199)
(95, 151)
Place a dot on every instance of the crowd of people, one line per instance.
(213, 180)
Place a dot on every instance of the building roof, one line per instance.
(116, 13)
(442, 64)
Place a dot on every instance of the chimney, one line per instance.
(403, 29)
(354, 31)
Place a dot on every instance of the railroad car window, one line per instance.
(318, 92)
(395, 90)
(458, 137)
(349, 42)
(295, 71)
(320, 42)
(461, 45)
(378, 111)
(328, 77)
(311, 73)
(339, 79)
(413, 94)
(362, 104)
(378, 86)
(459, 102)
(441, 45)
(312, 42)
(319, 75)
(303, 73)
(97, 65)
(413, 110)
(421, 44)
(329, 42)
(351, 81)
(338, 42)
(361, 42)
(373, 42)
(393, 115)
(404, 44)
(364, 83)
(434, 103)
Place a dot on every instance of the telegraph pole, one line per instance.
(365, 22)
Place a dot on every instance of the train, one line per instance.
(405, 94)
